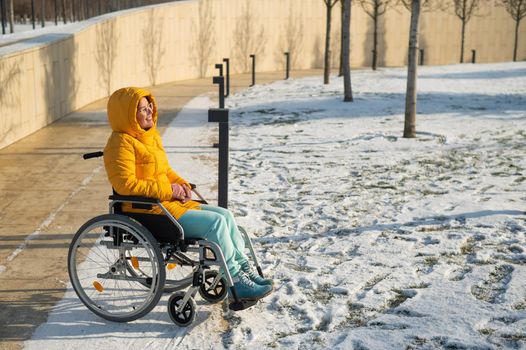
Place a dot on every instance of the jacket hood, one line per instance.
(122, 111)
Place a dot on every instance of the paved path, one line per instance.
(47, 192)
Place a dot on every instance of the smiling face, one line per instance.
(145, 114)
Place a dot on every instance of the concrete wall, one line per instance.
(47, 77)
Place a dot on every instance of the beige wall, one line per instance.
(183, 40)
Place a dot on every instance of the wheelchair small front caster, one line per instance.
(187, 315)
(211, 290)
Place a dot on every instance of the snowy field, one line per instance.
(374, 241)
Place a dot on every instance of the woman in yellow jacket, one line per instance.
(136, 164)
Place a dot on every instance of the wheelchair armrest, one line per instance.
(118, 197)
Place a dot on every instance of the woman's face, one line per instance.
(145, 114)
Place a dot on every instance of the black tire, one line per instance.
(187, 316)
(98, 273)
(209, 292)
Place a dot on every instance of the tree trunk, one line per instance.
(375, 36)
(327, 67)
(43, 13)
(73, 11)
(462, 41)
(11, 17)
(64, 11)
(346, 49)
(517, 22)
(341, 39)
(410, 97)
(33, 13)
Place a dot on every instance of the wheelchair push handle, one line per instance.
(93, 155)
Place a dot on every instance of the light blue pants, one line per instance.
(217, 225)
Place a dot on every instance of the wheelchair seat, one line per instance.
(160, 226)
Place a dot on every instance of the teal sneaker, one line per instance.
(254, 276)
(246, 289)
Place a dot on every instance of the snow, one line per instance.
(374, 241)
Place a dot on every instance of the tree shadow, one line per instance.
(153, 52)
(249, 39)
(290, 40)
(203, 46)
(317, 53)
(60, 85)
(417, 222)
(371, 104)
(106, 52)
(484, 75)
(70, 318)
(9, 98)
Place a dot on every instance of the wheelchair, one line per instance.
(121, 263)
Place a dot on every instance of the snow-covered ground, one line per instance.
(374, 241)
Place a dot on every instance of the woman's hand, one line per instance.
(188, 193)
(178, 192)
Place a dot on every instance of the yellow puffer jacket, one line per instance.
(135, 160)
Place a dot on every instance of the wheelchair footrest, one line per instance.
(241, 304)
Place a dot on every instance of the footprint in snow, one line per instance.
(494, 286)
(457, 273)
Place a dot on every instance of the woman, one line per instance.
(136, 164)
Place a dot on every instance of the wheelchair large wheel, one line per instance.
(97, 263)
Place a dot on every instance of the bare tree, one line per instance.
(346, 51)
(410, 98)
(517, 11)
(43, 13)
(375, 9)
(342, 7)
(327, 65)
(63, 9)
(11, 17)
(465, 10)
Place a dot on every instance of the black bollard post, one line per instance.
(287, 65)
(2, 4)
(220, 67)
(253, 69)
(220, 115)
(227, 63)
(421, 57)
(221, 81)
(473, 56)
